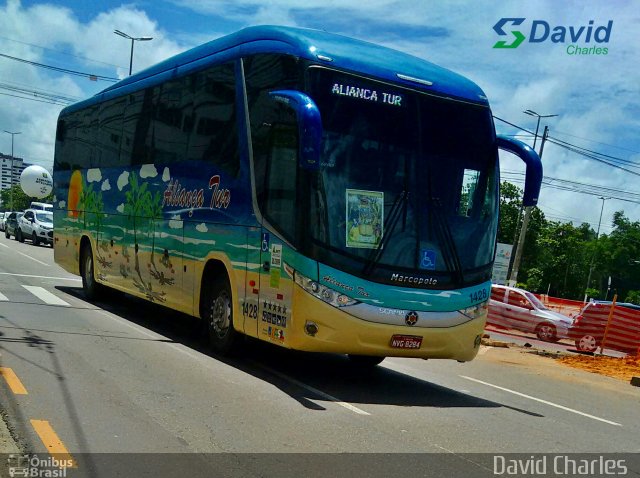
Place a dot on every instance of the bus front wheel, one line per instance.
(219, 316)
(365, 361)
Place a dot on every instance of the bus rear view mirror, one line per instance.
(309, 125)
(533, 179)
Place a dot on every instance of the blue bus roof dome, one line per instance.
(333, 50)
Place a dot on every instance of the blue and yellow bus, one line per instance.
(303, 188)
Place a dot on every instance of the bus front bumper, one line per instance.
(340, 332)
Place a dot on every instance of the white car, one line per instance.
(36, 225)
(519, 309)
(3, 219)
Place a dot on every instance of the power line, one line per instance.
(578, 187)
(34, 99)
(60, 52)
(598, 142)
(596, 156)
(52, 97)
(62, 70)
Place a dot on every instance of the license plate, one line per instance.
(406, 341)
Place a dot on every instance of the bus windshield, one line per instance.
(407, 183)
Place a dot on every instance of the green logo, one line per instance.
(519, 37)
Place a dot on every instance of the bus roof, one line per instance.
(331, 49)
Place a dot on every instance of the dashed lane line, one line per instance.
(53, 443)
(46, 296)
(546, 402)
(13, 381)
(311, 389)
(3, 298)
(25, 255)
(40, 277)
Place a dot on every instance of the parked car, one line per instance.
(42, 206)
(3, 219)
(518, 309)
(624, 329)
(11, 224)
(36, 225)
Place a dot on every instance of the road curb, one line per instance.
(7, 446)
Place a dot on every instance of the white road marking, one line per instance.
(3, 297)
(39, 277)
(331, 398)
(46, 296)
(25, 255)
(546, 402)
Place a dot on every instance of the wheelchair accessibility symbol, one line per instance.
(427, 259)
(265, 242)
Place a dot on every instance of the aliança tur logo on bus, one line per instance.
(581, 38)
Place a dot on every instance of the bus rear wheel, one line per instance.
(365, 361)
(92, 290)
(218, 312)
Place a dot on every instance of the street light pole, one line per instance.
(533, 113)
(133, 39)
(593, 257)
(12, 133)
(515, 267)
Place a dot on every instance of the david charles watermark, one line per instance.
(590, 39)
(558, 465)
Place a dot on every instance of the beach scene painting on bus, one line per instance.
(365, 218)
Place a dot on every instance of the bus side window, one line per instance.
(213, 126)
(109, 133)
(280, 187)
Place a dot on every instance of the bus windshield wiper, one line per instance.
(399, 204)
(447, 243)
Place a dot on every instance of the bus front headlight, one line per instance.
(475, 311)
(323, 293)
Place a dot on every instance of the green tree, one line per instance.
(633, 296)
(20, 200)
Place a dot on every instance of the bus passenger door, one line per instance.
(279, 210)
(276, 290)
(251, 297)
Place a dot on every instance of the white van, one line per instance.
(41, 206)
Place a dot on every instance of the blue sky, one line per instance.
(595, 96)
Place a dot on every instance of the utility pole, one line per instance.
(12, 133)
(593, 257)
(513, 280)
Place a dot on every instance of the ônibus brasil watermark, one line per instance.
(33, 466)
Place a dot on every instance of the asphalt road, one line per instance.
(126, 377)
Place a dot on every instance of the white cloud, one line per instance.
(595, 96)
(202, 227)
(175, 222)
(62, 204)
(148, 171)
(123, 180)
(166, 176)
(94, 175)
(105, 186)
(120, 208)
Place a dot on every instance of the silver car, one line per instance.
(519, 309)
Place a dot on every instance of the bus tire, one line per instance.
(218, 313)
(365, 361)
(92, 290)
